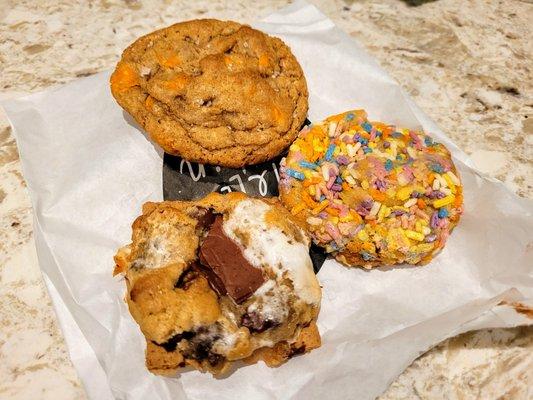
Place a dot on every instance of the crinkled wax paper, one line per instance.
(89, 169)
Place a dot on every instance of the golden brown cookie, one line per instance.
(220, 279)
(214, 92)
(370, 193)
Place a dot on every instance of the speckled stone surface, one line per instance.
(466, 64)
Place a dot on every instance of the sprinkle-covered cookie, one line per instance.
(213, 92)
(220, 279)
(370, 193)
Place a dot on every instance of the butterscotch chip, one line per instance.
(214, 92)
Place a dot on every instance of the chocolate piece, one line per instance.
(205, 218)
(200, 345)
(171, 344)
(201, 351)
(213, 279)
(231, 273)
(255, 322)
(297, 350)
(214, 359)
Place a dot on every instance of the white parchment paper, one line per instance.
(88, 172)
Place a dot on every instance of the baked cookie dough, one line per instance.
(221, 279)
(370, 193)
(214, 92)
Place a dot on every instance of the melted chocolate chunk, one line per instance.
(297, 350)
(171, 344)
(255, 322)
(186, 278)
(201, 350)
(200, 346)
(205, 218)
(227, 270)
(214, 359)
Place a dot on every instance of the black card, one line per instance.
(184, 180)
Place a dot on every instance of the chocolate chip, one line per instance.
(256, 323)
(214, 359)
(204, 217)
(200, 344)
(297, 350)
(171, 344)
(201, 350)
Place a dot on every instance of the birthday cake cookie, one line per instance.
(371, 193)
(220, 279)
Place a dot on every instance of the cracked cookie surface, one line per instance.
(220, 279)
(214, 92)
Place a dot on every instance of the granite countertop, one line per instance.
(466, 64)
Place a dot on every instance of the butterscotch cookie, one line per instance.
(221, 279)
(371, 193)
(214, 92)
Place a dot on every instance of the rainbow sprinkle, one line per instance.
(295, 174)
(372, 193)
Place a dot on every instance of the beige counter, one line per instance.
(466, 63)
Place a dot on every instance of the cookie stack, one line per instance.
(229, 277)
